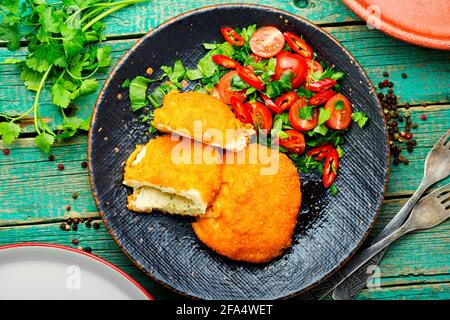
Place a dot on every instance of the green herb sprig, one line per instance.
(63, 53)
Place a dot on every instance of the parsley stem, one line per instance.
(102, 15)
(36, 98)
(108, 4)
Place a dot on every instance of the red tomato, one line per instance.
(224, 88)
(269, 103)
(298, 45)
(286, 100)
(261, 116)
(330, 168)
(248, 76)
(295, 143)
(224, 61)
(321, 98)
(267, 42)
(297, 122)
(287, 61)
(339, 119)
(321, 86)
(232, 37)
(313, 66)
(240, 110)
(321, 152)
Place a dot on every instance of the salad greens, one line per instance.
(206, 75)
(62, 40)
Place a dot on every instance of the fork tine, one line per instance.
(443, 140)
(441, 192)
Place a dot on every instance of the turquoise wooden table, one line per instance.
(34, 195)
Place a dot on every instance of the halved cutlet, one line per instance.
(203, 118)
(177, 177)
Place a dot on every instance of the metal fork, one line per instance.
(429, 212)
(437, 167)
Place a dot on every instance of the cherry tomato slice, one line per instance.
(248, 76)
(297, 122)
(340, 112)
(240, 110)
(295, 63)
(320, 152)
(232, 37)
(321, 86)
(295, 143)
(330, 168)
(286, 100)
(298, 45)
(321, 98)
(313, 66)
(225, 61)
(269, 103)
(224, 88)
(267, 42)
(261, 116)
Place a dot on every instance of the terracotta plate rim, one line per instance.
(397, 32)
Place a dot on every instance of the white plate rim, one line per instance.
(91, 257)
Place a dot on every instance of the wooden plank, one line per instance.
(440, 291)
(420, 259)
(427, 72)
(140, 18)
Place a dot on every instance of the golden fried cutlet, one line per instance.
(254, 215)
(203, 118)
(171, 176)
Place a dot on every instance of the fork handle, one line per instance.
(352, 283)
(365, 255)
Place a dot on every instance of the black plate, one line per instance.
(330, 228)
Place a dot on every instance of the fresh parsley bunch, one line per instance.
(63, 53)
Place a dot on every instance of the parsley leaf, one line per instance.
(194, 74)
(339, 105)
(9, 131)
(324, 115)
(138, 92)
(333, 189)
(44, 141)
(176, 73)
(360, 118)
(306, 113)
(61, 96)
(207, 66)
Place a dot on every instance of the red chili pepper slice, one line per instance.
(320, 152)
(240, 110)
(248, 76)
(298, 45)
(269, 103)
(286, 100)
(225, 61)
(321, 98)
(232, 37)
(322, 85)
(330, 168)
